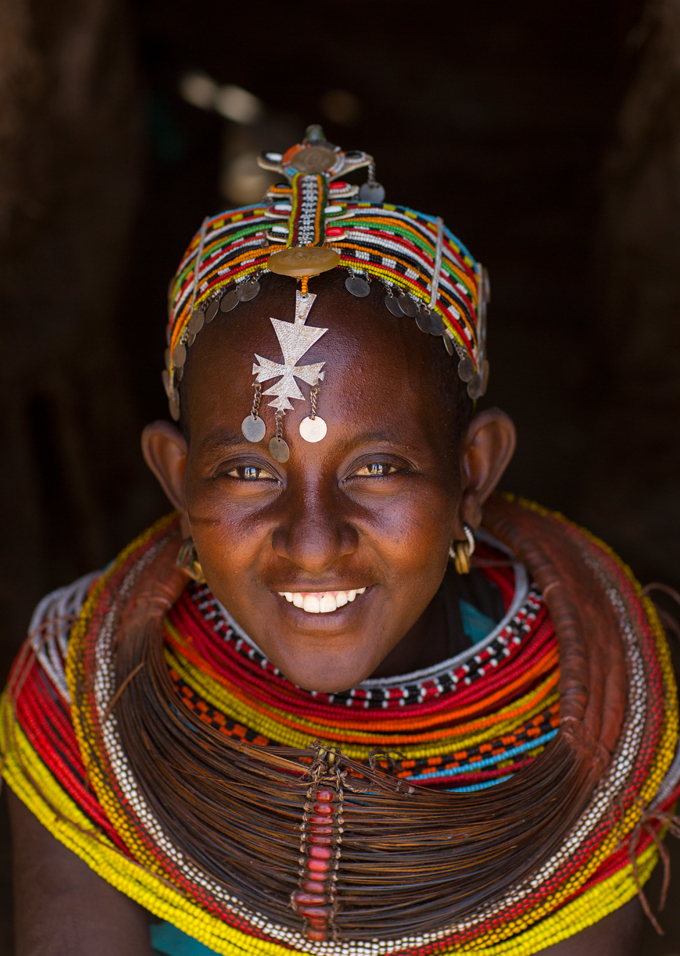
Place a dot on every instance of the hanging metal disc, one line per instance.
(173, 401)
(393, 305)
(466, 369)
(253, 428)
(408, 306)
(424, 320)
(279, 450)
(372, 192)
(437, 325)
(211, 311)
(313, 429)
(196, 322)
(475, 388)
(357, 286)
(248, 290)
(229, 301)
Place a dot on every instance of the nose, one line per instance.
(314, 531)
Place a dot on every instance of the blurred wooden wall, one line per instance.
(71, 149)
(632, 488)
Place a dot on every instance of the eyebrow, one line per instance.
(383, 437)
(221, 441)
(225, 440)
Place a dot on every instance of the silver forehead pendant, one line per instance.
(295, 339)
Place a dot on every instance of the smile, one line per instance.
(320, 602)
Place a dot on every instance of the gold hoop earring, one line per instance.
(460, 552)
(187, 560)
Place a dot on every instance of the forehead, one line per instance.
(376, 367)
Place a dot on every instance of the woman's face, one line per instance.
(357, 527)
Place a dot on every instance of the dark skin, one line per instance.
(374, 505)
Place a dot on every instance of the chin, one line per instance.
(327, 653)
(326, 672)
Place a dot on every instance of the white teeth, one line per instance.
(323, 602)
(311, 604)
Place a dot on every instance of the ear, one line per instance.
(488, 447)
(165, 452)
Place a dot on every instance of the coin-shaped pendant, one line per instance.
(253, 428)
(424, 320)
(211, 311)
(436, 324)
(448, 345)
(173, 401)
(313, 429)
(248, 290)
(372, 192)
(196, 322)
(475, 387)
(408, 306)
(357, 286)
(229, 301)
(466, 369)
(180, 354)
(393, 305)
(279, 450)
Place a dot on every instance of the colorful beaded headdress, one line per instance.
(323, 223)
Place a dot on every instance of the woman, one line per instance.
(344, 699)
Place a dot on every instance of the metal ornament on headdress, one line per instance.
(323, 223)
(295, 339)
(310, 168)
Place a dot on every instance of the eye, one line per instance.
(250, 473)
(375, 469)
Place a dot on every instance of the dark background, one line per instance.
(546, 134)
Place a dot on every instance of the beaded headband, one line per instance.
(323, 223)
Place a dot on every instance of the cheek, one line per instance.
(413, 534)
(227, 535)
(422, 516)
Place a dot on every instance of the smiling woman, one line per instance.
(359, 524)
(344, 700)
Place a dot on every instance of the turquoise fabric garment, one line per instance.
(475, 624)
(167, 940)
